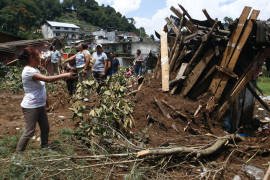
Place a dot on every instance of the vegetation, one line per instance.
(24, 17)
(107, 117)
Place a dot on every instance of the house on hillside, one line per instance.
(104, 36)
(52, 29)
(126, 51)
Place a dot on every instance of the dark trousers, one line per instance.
(138, 69)
(31, 117)
(100, 79)
(71, 85)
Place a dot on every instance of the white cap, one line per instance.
(100, 45)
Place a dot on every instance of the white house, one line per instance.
(53, 29)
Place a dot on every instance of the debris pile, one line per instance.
(202, 58)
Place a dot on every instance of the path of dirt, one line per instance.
(12, 120)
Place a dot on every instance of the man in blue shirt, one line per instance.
(115, 65)
(55, 60)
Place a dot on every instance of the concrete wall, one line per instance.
(47, 32)
(145, 47)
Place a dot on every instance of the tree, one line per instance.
(227, 21)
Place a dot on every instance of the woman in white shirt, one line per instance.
(34, 100)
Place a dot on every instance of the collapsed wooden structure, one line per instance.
(199, 57)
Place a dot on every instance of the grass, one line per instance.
(264, 85)
(35, 163)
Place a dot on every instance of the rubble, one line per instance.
(204, 58)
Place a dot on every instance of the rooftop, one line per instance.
(60, 24)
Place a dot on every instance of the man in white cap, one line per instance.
(101, 64)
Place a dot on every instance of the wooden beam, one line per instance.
(185, 11)
(227, 72)
(238, 87)
(198, 51)
(191, 27)
(197, 71)
(170, 23)
(230, 47)
(209, 19)
(232, 62)
(164, 61)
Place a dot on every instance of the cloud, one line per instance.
(122, 6)
(216, 9)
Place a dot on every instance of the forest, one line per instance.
(23, 18)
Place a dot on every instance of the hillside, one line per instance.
(23, 17)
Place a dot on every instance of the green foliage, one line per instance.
(23, 17)
(41, 164)
(227, 21)
(12, 80)
(111, 109)
(264, 85)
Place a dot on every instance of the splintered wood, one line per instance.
(204, 57)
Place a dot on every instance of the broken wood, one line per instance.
(174, 28)
(196, 72)
(189, 24)
(164, 112)
(203, 43)
(267, 174)
(230, 47)
(232, 62)
(175, 110)
(197, 110)
(164, 61)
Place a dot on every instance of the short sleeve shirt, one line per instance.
(99, 61)
(114, 66)
(55, 55)
(34, 91)
(139, 58)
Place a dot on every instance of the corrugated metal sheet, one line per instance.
(60, 24)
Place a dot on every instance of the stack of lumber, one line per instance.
(202, 57)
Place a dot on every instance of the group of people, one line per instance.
(73, 69)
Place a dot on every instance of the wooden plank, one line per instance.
(181, 56)
(231, 64)
(164, 61)
(200, 48)
(241, 83)
(170, 23)
(191, 27)
(180, 76)
(185, 11)
(181, 71)
(230, 47)
(197, 71)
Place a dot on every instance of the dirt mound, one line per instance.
(181, 121)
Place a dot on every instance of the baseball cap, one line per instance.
(99, 45)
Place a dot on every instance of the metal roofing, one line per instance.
(60, 24)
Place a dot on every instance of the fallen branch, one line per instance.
(220, 142)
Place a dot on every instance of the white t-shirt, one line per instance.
(34, 91)
(99, 61)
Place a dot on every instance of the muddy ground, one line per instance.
(160, 131)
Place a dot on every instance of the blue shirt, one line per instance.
(80, 60)
(114, 65)
(55, 55)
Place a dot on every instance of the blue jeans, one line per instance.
(138, 70)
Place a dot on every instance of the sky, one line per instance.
(150, 14)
